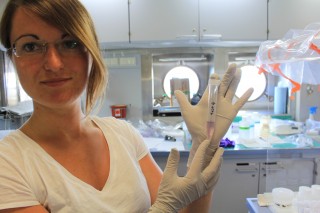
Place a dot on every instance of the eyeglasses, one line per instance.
(32, 48)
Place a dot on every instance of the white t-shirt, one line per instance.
(30, 176)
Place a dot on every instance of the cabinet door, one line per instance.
(154, 20)
(239, 179)
(161, 159)
(110, 18)
(2, 6)
(288, 173)
(239, 20)
(291, 14)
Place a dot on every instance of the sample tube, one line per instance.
(214, 83)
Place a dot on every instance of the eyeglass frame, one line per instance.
(44, 47)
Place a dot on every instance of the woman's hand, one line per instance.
(195, 117)
(176, 192)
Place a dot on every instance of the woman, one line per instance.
(63, 159)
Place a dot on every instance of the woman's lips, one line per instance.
(55, 82)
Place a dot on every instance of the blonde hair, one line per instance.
(69, 16)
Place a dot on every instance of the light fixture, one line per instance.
(251, 78)
(202, 58)
(182, 72)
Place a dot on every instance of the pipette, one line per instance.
(214, 83)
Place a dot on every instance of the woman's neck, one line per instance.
(52, 125)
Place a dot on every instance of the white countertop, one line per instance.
(161, 145)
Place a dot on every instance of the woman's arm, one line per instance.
(203, 204)
(29, 209)
(153, 175)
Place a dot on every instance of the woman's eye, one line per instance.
(31, 47)
(71, 44)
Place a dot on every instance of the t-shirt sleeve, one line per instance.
(14, 189)
(141, 147)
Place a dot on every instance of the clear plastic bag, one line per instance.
(158, 129)
(294, 57)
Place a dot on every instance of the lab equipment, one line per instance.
(265, 127)
(244, 129)
(214, 83)
(227, 143)
(119, 111)
(310, 121)
(280, 100)
(169, 138)
(307, 199)
(282, 197)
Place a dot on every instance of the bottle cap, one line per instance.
(313, 110)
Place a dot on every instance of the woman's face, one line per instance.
(56, 77)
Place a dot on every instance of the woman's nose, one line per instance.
(53, 59)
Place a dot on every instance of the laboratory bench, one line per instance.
(253, 206)
(247, 172)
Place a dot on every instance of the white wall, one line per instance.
(124, 87)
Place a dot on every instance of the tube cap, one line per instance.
(313, 110)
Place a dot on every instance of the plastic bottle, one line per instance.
(244, 129)
(265, 128)
(251, 123)
(310, 120)
(257, 126)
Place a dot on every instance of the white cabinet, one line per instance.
(110, 18)
(2, 6)
(238, 20)
(167, 20)
(154, 20)
(291, 14)
(238, 180)
(288, 173)
(246, 173)
(245, 178)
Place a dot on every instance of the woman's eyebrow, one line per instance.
(27, 35)
(65, 35)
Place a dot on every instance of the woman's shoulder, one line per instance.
(11, 138)
(111, 122)
(14, 140)
(117, 126)
(4, 133)
(14, 146)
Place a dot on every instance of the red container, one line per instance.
(119, 111)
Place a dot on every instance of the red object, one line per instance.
(119, 111)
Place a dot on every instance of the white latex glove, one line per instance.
(195, 116)
(176, 192)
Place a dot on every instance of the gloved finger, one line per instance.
(198, 160)
(172, 163)
(233, 85)
(204, 99)
(210, 171)
(227, 79)
(243, 99)
(182, 99)
(211, 183)
(214, 179)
